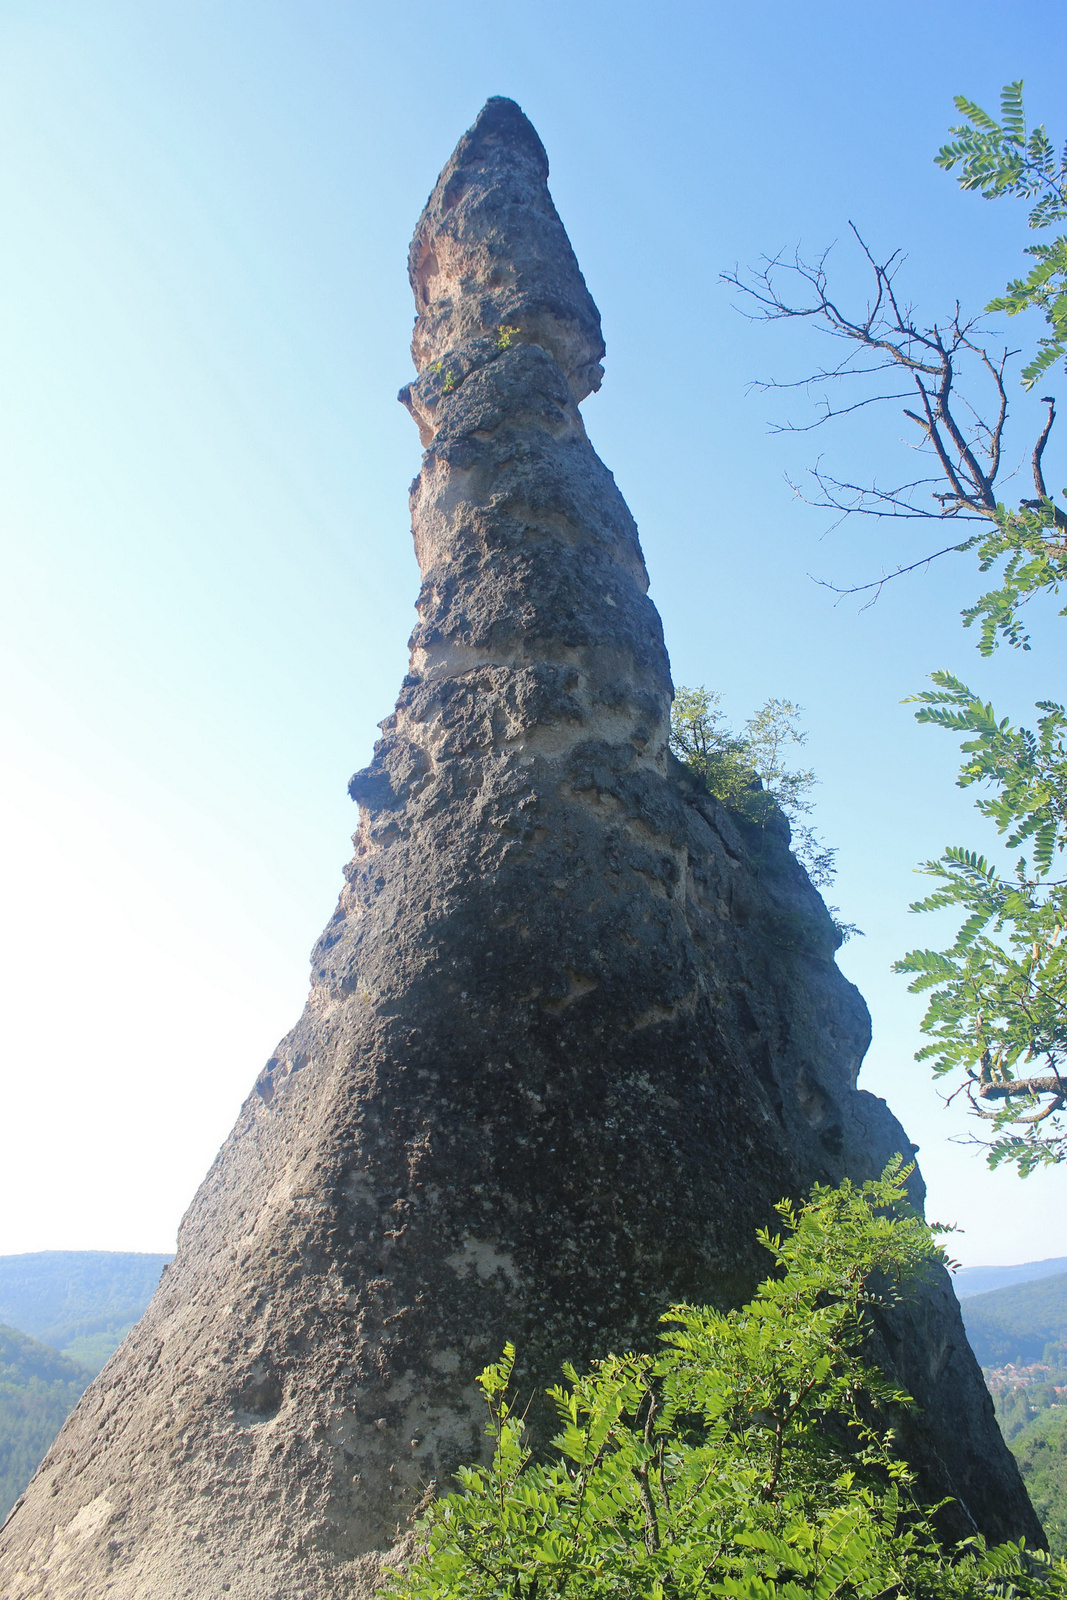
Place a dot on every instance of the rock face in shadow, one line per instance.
(572, 1029)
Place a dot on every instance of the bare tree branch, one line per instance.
(956, 378)
(829, 412)
(876, 583)
(1039, 447)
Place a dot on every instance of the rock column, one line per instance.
(572, 1029)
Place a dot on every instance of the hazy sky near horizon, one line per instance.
(208, 579)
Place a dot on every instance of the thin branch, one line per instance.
(871, 501)
(1039, 447)
(829, 413)
(641, 1474)
(876, 583)
(965, 438)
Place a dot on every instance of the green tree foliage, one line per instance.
(700, 737)
(1005, 158)
(997, 1013)
(751, 1457)
(1022, 1397)
(997, 996)
(1019, 1334)
(38, 1389)
(747, 771)
(750, 772)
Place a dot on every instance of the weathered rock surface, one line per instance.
(572, 1030)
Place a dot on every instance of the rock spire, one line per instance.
(572, 1028)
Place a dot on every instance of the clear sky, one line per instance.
(207, 574)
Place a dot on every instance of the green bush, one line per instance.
(749, 773)
(751, 1457)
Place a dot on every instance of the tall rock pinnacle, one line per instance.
(572, 1029)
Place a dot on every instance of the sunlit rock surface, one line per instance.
(572, 1029)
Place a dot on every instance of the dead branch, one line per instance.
(955, 380)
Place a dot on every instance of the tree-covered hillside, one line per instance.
(62, 1314)
(1019, 1335)
(82, 1302)
(969, 1281)
(1016, 1325)
(38, 1387)
(1041, 1451)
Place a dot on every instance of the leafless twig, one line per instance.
(955, 380)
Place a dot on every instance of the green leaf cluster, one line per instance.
(1031, 543)
(1028, 771)
(997, 1013)
(1005, 158)
(751, 1457)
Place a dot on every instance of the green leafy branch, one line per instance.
(1027, 770)
(754, 1456)
(1005, 158)
(1032, 542)
(997, 1012)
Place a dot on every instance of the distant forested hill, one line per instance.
(38, 1387)
(979, 1280)
(1016, 1325)
(65, 1312)
(82, 1302)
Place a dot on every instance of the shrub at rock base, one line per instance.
(753, 1456)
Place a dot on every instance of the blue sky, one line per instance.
(207, 572)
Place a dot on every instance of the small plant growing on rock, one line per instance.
(749, 773)
(437, 367)
(504, 336)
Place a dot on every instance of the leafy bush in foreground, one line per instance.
(751, 1457)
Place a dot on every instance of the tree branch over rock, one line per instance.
(953, 376)
(997, 996)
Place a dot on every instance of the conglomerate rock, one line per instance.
(572, 1029)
